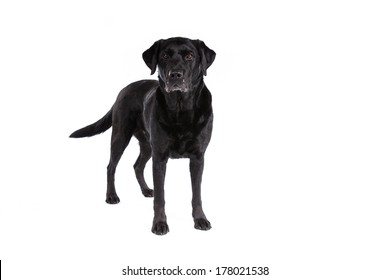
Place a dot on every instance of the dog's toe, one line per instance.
(160, 228)
(112, 199)
(202, 224)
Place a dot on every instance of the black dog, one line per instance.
(171, 118)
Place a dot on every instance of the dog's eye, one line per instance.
(189, 56)
(165, 56)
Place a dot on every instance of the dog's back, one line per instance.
(131, 98)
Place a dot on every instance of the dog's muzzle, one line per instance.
(176, 81)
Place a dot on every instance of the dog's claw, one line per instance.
(160, 228)
(112, 199)
(202, 224)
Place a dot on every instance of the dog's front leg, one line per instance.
(160, 226)
(196, 169)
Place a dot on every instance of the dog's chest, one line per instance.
(180, 128)
(183, 143)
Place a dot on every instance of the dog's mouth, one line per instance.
(176, 87)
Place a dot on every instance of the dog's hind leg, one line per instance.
(139, 166)
(120, 138)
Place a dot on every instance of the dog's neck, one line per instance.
(178, 101)
(178, 108)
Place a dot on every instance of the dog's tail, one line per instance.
(98, 127)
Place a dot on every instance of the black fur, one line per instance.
(98, 127)
(171, 118)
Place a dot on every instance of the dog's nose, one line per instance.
(176, 74)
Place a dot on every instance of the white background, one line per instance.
(296, 175)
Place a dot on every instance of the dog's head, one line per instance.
(181, 63)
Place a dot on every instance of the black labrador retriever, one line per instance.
(171, 118)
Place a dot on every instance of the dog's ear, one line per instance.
(207, 56)
(150, 56)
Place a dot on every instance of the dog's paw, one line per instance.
(147, 192)
(112, 198)
(202, 224)
(160, 228)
